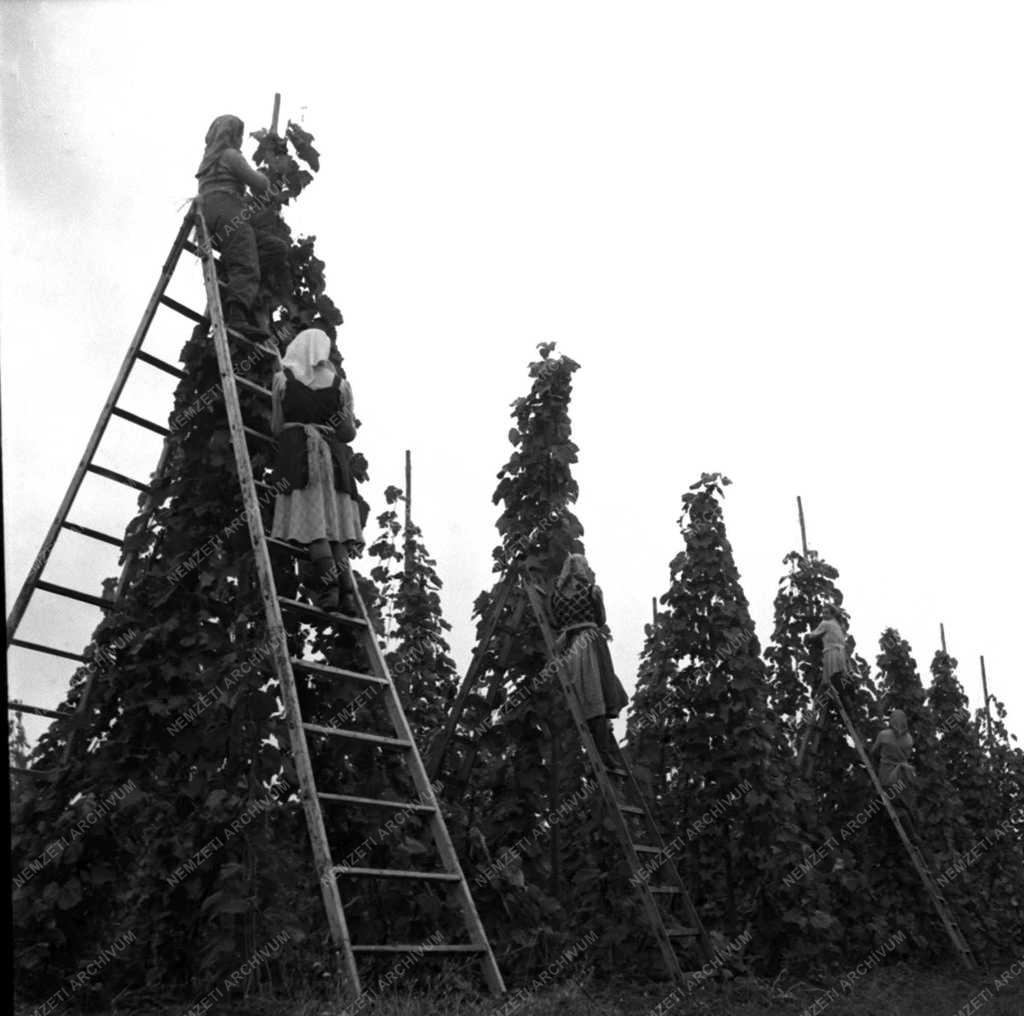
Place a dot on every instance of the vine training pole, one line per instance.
(277, 112)
(988, 711)
(803, 529)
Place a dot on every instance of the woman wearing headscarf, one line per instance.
(247, 252)
(895, 772)
(833, 659)
(313, 417)
(577, 610)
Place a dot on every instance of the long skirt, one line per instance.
(591, 675)
(318, 511)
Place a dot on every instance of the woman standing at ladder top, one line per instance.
(247, 253)
(833, 663)
(577, 609)
(313, 415)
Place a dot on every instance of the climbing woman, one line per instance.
(312, 417)
(895, 771)
(248, 252)
(833, 661)
(577, 610)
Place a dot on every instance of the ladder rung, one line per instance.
(424, 809)
(631, 809)
(20, 707)
(95, 534)
(74, 594)
(316, 612)
(183, 310)
(32, 772)
(252, 343)
(418, 948)
(37, 647)
(118, 478)
(427, 876)
(191, 248)
(682, 932)
(258, 435)
(252, 386)
(289, 548)
(155, 361)
(646, 848)
(356, 735)
(140, 421)
(326, 671)
(666, 890)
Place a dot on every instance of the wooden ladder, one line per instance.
(642, 845)
(939, 902)
(285, 666)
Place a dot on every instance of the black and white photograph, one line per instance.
(513, 508)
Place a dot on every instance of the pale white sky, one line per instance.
(783, 240)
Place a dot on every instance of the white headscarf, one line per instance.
(308, 349)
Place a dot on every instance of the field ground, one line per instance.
(894, 991)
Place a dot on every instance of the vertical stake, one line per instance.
(407, 557)
(942, 635)
(277, 112)
(654, 611)
(988, 711)
(803, 530)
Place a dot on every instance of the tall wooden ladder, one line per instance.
(285, 666)
(938, 900)
(668, 906)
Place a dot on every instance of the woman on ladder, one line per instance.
(577, 610)
(313, 418)
(247, 254)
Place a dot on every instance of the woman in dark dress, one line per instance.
(577, 610)
(313, 417)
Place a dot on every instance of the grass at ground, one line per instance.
(891, 991)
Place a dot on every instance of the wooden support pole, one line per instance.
(803, 529)
(988, 711)
(277, 112)
(654, 611)
(407, 556)
(942, 635)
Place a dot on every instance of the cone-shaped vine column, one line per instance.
(418, 657)
(701, 716)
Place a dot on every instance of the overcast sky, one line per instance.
(784, 240)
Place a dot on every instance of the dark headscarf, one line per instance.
(225, 132)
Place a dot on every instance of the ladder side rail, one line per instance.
(275, 624)
(493, 694)
(446, 850)
(652, 831)
(469, 681)
(938, 902)
(650, 905)
(25, 594)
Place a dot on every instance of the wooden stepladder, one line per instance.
(939, 902)
(648, 857)
(398, 740)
